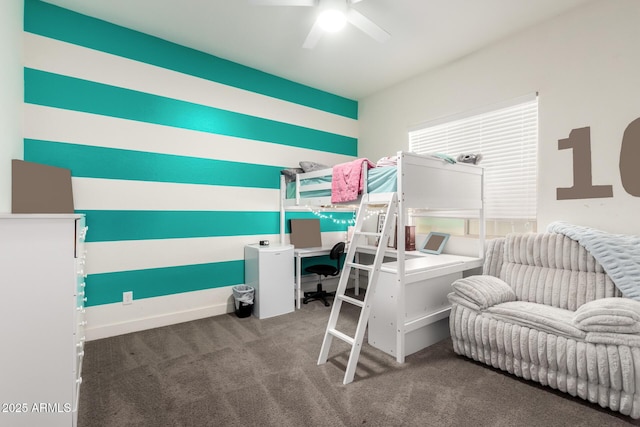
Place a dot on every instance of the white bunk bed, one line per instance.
(313, 190)
(410, 308)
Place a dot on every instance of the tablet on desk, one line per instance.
(434, 243)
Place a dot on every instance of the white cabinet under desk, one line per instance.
(42, 314)
(423, 321)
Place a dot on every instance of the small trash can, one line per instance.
(243, 296)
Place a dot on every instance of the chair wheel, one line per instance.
(326, 304)
(304, 302)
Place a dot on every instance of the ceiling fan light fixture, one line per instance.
(333, 15)
(332, 20)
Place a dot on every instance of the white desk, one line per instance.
(389, 253)
(300, 253)
(415, 316)
(409, 319)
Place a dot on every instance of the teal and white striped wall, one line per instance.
(175, 157)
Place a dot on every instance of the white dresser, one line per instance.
(42, 259)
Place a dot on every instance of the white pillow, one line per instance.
(290, 173)
(618, 315)
(308, 166)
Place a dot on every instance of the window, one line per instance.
(507, 137)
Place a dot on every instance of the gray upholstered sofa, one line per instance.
(545, 310)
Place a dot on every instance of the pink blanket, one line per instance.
(347, 182)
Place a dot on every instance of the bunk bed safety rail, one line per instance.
(311, 187)
(301, 188)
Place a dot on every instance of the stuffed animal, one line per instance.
(469, 158)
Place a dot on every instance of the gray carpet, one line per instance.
(230, 371)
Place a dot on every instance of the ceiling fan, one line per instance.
(332, 16)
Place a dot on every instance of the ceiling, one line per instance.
(425, 34)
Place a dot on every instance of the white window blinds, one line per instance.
(507, 138)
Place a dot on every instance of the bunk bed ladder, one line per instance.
(359, 239)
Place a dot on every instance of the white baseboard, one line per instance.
(117, 319)
(110, 320)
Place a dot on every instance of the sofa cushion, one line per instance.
(483, 291)
(541, 317)
(617, 315)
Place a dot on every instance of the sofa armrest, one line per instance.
(617, 315)
(483, 291)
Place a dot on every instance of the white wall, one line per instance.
(585, 66)
(11, 86)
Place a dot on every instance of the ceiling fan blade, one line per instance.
(367, 26)
(283, 2)
(313, 37)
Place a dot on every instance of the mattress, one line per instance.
(379, 180)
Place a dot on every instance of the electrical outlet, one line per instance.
(127, 297)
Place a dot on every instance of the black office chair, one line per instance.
(326, 271)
